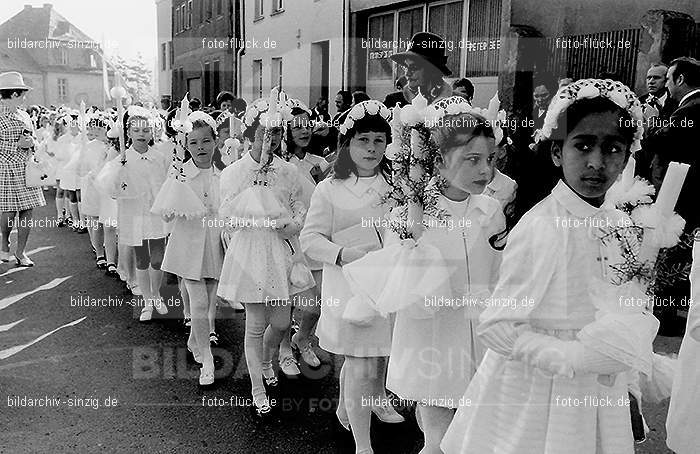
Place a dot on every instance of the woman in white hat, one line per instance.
(16, 199)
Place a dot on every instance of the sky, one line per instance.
(128, 26)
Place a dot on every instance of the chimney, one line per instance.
(48, 5)
(27, 7)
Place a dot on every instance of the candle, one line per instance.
(628, 175)
(492, 111)
(184, 109)
(670, 189)
(230, 126)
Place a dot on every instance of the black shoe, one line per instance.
(111, 270)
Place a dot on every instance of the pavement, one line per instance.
(85, 378)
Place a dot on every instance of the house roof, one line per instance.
(17, 60)
(39, 23)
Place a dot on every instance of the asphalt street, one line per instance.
(107, 383)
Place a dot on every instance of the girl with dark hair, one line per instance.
(334, 235)
(145, 169)
(554, 329)
(298, 144)
(67, 174)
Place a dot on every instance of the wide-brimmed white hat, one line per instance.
(12, 80)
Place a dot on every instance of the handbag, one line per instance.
(36, 173)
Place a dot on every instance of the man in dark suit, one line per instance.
(658, 96)
(677, 141)
(541, 97)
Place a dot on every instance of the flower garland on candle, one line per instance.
(270, 113)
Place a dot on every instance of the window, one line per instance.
(205, 77)
(189, 14)
(410, 23)
(201, 11)
(209, 8)
(62, 56)
(219, 7)
(381, 33)
(163, 56)
(276, 68)
(446, 20)
(63, 90)
(93, 62)
(183, 17)
(215, 78)
(257, 79)
(258, 9)
(176, 19)
(172, 54)
(482, 43)
(277, 5)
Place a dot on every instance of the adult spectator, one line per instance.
(658, 96)
(343, 101)
(320, 111)
(195, 104)
(541, 97)
(239, 106)
(398, 97)
(224, 101)
(16, 200)
(463, 87)
(425, 63)
(674, 141)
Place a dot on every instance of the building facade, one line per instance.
(297, 44)
(164, 71)
(61, 63)
(203, 39)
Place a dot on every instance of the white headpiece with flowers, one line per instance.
(359, 111)
(613, 90)
(198, 115)
(141, 112)
(272, 112)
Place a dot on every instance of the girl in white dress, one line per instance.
(56, 148)
(194, 251)
(338, 206)
(546, 386)
(683, 414)
(433, 358)
(261, 202)
(92, 161)
(145, 170)
(70, 172)
(298, 137)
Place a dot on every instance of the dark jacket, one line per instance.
(678, 141)
(395, 99)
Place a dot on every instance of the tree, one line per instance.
(137, 78)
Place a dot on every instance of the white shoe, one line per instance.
(146, 314)
(6, 256)
(288, 365)
(387, 414)
(160, 306)
(134, 288)
(206, 375)
(306, 351)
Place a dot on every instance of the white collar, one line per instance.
(358, 190)
(688, 95)
(149, 155)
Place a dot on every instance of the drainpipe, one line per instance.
(241, 49)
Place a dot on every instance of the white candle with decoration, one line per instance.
(416, 171)
(663, 209)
